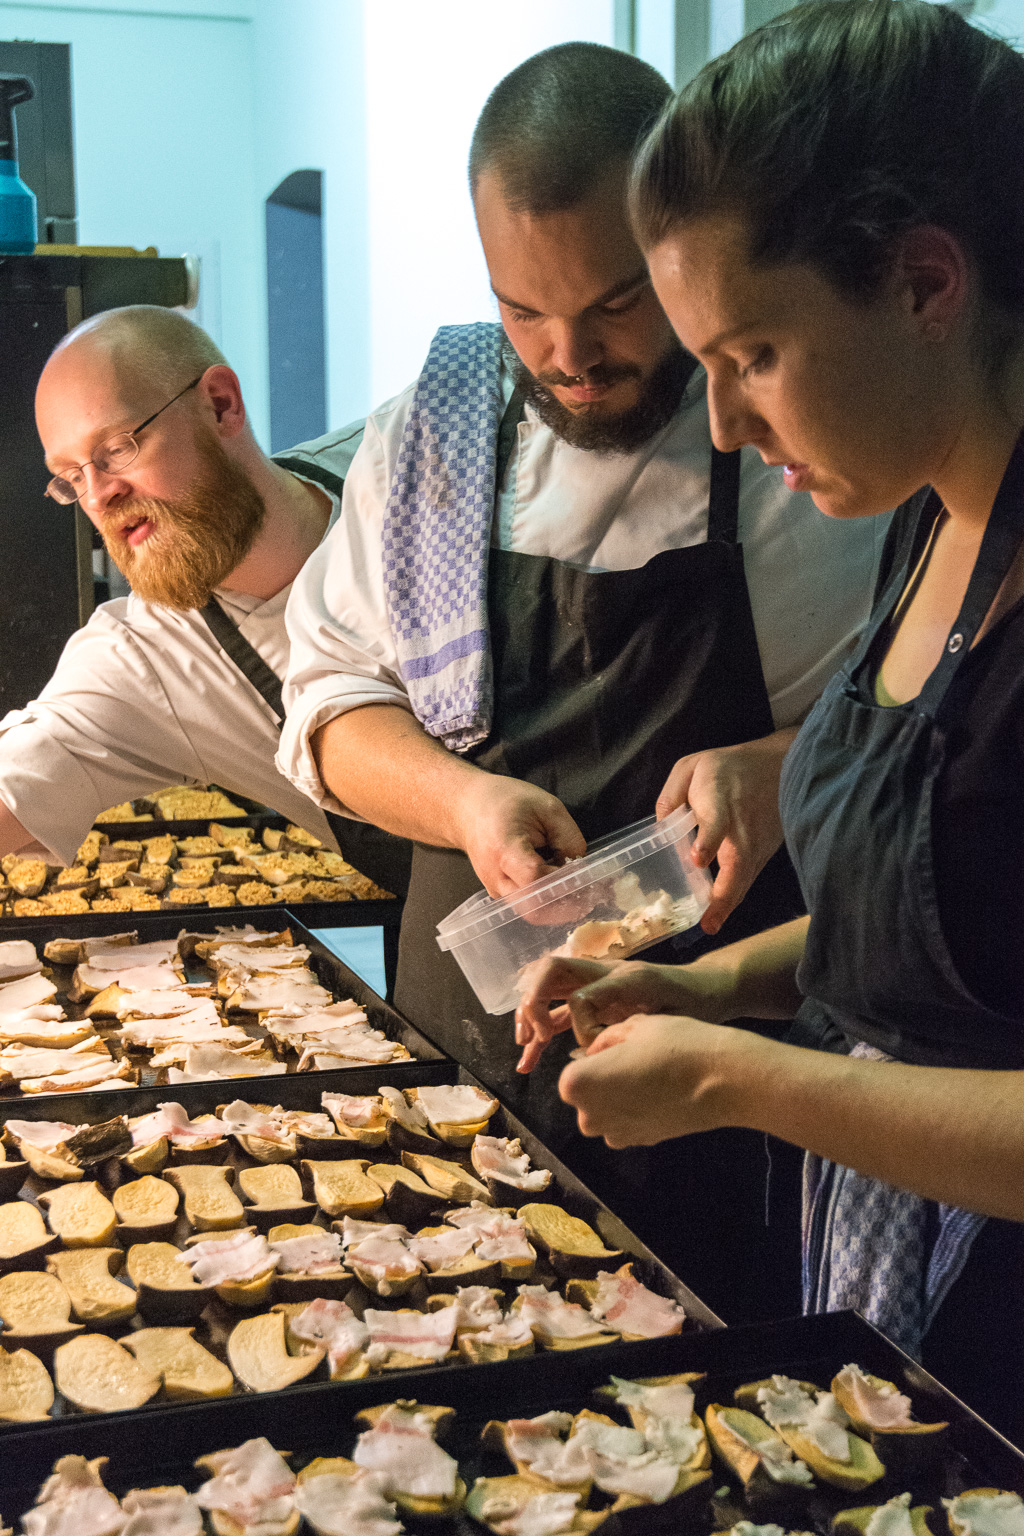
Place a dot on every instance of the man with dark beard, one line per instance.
(534, 624)
(143, 425)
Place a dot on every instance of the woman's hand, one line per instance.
(650, 1078)
(589, 995)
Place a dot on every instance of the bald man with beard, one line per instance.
(142, 423)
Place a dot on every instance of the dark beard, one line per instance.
(198, 540)
(629, 430)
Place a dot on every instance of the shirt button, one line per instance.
(954, 643)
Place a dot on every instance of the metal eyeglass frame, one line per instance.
(68, 500)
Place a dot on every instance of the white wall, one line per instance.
(429, 69)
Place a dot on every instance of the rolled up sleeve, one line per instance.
(342, 650)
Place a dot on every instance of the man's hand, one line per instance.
(503, 824)
(734, 794)
(653, 1077)
(590, 996)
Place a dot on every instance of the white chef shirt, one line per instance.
(810, 577)
(142, 697)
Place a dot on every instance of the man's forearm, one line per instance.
(950, 1135)
(379, 762)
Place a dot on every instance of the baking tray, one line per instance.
(253, 815)
(303, 1091)
(159, 1445)
(331, 971)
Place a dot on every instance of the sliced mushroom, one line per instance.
(258, 1355)
(275, 1191)
(147, 1209)
(36, 1310)
(87, 1276)
(26, 1391)
(166, 1291)
(97, 1373)
(211, 1205)
(188, 1371)
(24, 1240)
(342, 1189)
(80, 1214)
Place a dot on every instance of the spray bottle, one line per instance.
(18, 227)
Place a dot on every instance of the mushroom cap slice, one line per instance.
(80, 1214)
(165, 1288)
(211, 1205)
(36, 1310)
(341, 1188)
(188, 1371)
(145, 1207)
(573, 1247)
(87, 1276)
(449, 1179)
(26, 1391)
(96, 1373)
(258, 1354)
(24, 1240)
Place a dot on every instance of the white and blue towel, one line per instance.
(437, 533)
(890, 1255)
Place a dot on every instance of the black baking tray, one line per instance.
(159, 1446)
(252, 814)
(303, 1091)
(331, 971)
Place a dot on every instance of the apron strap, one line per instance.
(244, 655)
(999, 547)
(724, 497)
(227, 633)
(507, 429)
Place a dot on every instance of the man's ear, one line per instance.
(221, 396)
(934, 273)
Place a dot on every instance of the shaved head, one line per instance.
(144, 345)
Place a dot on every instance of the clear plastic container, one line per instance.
(629, 890)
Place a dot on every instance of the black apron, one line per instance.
(385, 858)
(856, 795)
(602, 681)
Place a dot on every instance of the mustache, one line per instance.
(599, 376)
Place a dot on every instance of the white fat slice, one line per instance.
(785, 1404)
(74, 1502)
(439, 1250)
(252, 1484)
(630, 1307)
(357, 1505)
(455, 1104)
(308, 1255)
(530, 1514)
(352, 1109)
(161, 1512)
(621, 1461)
(44, 1027)
(158, 952)
(26, 993)
(171, 1120)
(402, 1445)
(318, 1021)
(883, 1407)
(477, 1307)
(18, 958)
(497, 1157)
(242, 1256)
(475, 1215)
(538, 1444)
(242, 1119)
(891, 1518)
(988, 1514)
(168, 1027)
(548, 1315)
(424, 1335)
(257, 994)
(365, 1046)
(333, 1325)
(45, 1135)
(504, 1241)
(174, 1051)
(673, 1400)
(27, 1061)
(398, 1108)
(247, 934)
(276, 957)
(776, 1457)
(510, 1333)
(355, 1231)
(205, 1063)
(148, 978)
(384, 1260)
(164, 1003)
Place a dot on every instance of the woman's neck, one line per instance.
(975, 463)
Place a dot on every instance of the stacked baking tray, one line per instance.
(159, 1445)
(329, 970)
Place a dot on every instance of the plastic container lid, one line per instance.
(482, 914)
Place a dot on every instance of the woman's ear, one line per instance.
(933, 274)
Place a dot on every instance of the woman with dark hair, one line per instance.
(833, 217)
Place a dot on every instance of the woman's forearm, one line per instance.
(754, 978)
(952, 1135)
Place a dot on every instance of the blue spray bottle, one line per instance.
(18, 225)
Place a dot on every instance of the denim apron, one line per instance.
(856, 795)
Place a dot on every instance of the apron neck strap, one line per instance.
(507, 429)
(724, 497)
(999, 547)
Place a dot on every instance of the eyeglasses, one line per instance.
(110, 457)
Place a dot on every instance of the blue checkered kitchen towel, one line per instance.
(437, 533)
(887, 1253)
